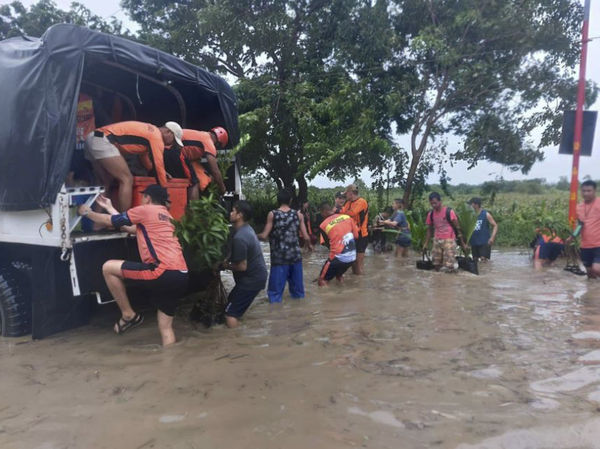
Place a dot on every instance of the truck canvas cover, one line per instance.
(40, 82)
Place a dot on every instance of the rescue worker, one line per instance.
(340, 234)
(201, 144)
(358, 209)
(162, 274)
(106, 146)
(547, 247)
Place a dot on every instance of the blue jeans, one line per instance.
(279, 275)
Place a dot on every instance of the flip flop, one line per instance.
(128, 324)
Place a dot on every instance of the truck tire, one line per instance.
(15, 300)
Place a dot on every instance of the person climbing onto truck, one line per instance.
(106, 146)
(358, 209)
(162, 274)
(340, 233)
(201, 144)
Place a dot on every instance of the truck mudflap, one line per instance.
(55, 307)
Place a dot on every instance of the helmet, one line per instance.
(222, 136)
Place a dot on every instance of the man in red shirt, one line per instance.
(358, 209)
(162, 274)
(588, 215)
(105, 148)
(340, 233)
(201, 144)
(442, 223)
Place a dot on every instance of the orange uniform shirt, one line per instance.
(196, 144)
(589, 215)
(359, 211)
(341, 231)
(142, 139)
(156, 241)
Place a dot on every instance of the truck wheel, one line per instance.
(15, 301)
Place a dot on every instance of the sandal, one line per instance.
(128, 324)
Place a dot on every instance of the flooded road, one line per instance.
(398, 358)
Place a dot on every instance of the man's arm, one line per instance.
(106, 204)
(304, 232)
(242, 265)
(96, 217)
(215, 172)
(459, 233)
(494, 229)
(268, 227)
(427, 237)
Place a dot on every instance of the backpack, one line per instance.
(448, 211)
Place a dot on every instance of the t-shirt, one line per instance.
(442, 229)
(156, 240)
(341, 232)
(589, 215)
(400, 218)
(246, 247)
(283, 239)
(358, 210)
(481, 234)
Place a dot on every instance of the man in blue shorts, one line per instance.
(246, 262)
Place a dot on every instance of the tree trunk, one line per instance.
(410, 178)
(302, 190)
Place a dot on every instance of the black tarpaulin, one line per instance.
(40, 81)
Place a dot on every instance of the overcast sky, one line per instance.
(554, 165)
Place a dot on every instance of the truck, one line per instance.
(50, 268)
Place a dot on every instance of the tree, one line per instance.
(491, 72)
(313, 85)
(16, 20)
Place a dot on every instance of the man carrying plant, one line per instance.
(282, 228)
(588, 216)
(246, 262)
(398, 221)
(482, 240)
(162, 274)
(442, 223)
(340, 233)
(358, 209)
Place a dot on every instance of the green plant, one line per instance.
(467, 220)
(418, 228)
(203, 231)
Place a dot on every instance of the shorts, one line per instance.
(163, 287)
(444, 252)
(590, 256)
(361, 244)
(481, 251)
(239, 300)
(404, 240)
(334, 268)
(97, 147)
(549, 251)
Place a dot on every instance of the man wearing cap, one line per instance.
(198, 145)
(106, 146)
(340, 200)
(482, 239)
(162, 273)
(358, 209)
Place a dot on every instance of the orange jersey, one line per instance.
(142, 139)
(589, 215)
(359, 211)
(156, 241)
(197, 144)
(341, 231)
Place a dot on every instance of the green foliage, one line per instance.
(203, 232)
(467, 219)
(418, 229)
(17, 20)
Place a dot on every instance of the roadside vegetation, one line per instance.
(519, 207)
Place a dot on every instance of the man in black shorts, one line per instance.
(246, 262)
(162, 274)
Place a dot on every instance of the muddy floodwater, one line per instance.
(398, 358)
